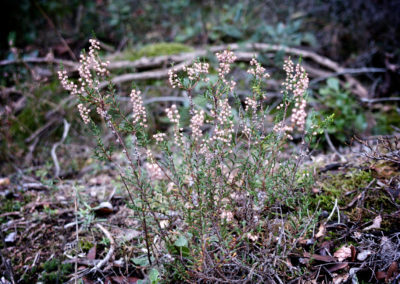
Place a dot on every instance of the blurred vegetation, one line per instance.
(152, 50)
(342, 29)
(349, 117)
(355, 34)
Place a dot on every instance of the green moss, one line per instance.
(54, 271)
(371, 203)
(152, 50)
(336, 186)
(10, 205)
(85, 245)
(51, 265)
(385, 122)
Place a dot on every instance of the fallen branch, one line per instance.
(379, 100)
(189, 57)
(349, 71)
(35, 186)
(156, 74)
(42, 60)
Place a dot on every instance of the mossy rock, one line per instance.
(152, 50)
(335, 186)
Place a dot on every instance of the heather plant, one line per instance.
(219, 201)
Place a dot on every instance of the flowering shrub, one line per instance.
(212, 202)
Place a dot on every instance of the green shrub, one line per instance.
(349, 117)
(211, 202)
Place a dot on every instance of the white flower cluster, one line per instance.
(194, 72)
(257, 70)
(84, 112)
(296, 82)
(173, 78)
(66, 84)
(154, 171)
(88, 62)
(139, 112)
(196, 122)
(224, 126)
(160, 137)
(283, 129)
(250, 104)
(226, 215)
(174, 116)
(225, 59)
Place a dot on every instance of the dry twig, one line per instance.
(110, 251)
(54, 148)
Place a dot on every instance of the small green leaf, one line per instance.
(140, 261)
(333, 83)
(200, 101)
(153, 275)
(181, 242)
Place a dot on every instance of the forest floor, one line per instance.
(50, 228)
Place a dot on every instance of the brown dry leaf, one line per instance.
(321, 231)
(384, 170)
(343, 253)
(353, 253)
(86, 280)
(302, 241)
(380, 275)
(393, 268)
(92, 253)
(124, 280)
(315, 190)
(338, 266)
(4, 182)
(376, 224)
(325, 248)
(341, 278)
(323, 258)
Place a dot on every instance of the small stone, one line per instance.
(11, 238)
(363, 255)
